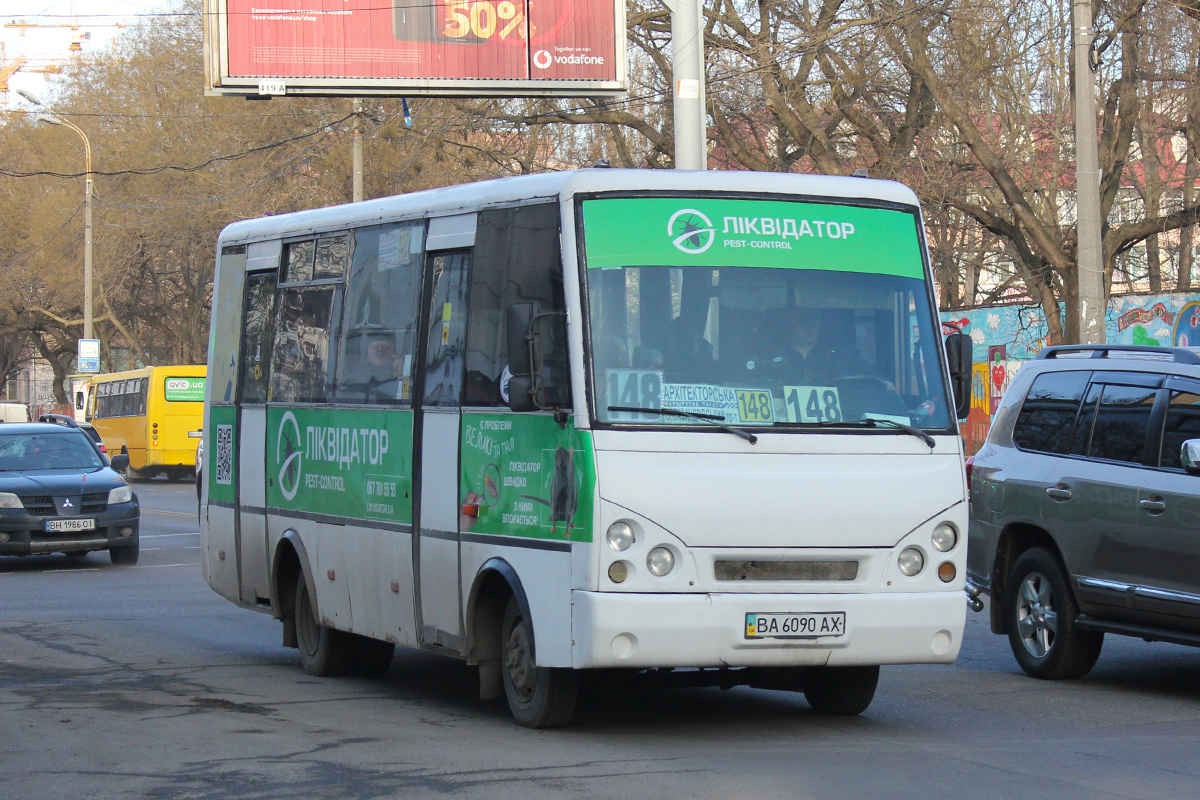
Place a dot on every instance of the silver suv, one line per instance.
(1085, 504)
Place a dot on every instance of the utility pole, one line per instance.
(687, 68)
(357, 156)
(87, 243)
(1089, 270)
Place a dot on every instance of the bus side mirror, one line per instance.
(517, 318)
(959, 356)
(79, 401)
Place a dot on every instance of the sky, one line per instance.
(49, 45)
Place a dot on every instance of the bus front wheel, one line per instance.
(539, 697)
(324, 652)
(842, 691)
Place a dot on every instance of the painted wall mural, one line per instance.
(1007, 336)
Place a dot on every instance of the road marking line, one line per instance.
(172, 513)
(81, 569)
(160, 566)
(165, 535)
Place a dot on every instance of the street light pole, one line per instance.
(687, 67)
(49, 118)
(357, 150)
(1089, 267)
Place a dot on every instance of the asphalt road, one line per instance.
(140, 682)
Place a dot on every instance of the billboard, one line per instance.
(502, 48)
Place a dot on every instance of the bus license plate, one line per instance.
(808, 625)
(63, 525)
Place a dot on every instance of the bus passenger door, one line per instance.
(439, 416)
(258, 336)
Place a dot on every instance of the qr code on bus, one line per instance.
(224, 454)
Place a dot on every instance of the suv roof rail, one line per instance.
(59, 419)
(1181, 355)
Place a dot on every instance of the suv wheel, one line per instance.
(1040, 614)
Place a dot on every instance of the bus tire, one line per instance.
(324, 651)
(374, 657)
(124, 556)
(840, 691)
(538, 697)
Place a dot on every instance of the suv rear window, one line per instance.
(1048, 413)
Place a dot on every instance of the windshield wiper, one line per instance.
(711, 419)
(871, 422)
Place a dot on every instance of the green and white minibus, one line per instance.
(601, 419)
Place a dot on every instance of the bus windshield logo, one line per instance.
(691, 231)
(289, 455)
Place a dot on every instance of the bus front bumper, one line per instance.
(613, 629)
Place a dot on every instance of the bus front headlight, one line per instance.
(620, 536)
(121, 494)
(910, 561)
(660, 561)
(945, 537)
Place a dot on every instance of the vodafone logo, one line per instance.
(542, 59)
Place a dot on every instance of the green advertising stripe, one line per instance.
(526, 476)
(347, 463)
(714, 232)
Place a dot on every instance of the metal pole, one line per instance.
(1090, 266)
(87, 256)
(687, 67)
(358, 151)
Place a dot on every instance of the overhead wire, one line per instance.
(175, 167)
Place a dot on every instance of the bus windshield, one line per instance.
(823, 319)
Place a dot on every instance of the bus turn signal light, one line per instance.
(947, 572)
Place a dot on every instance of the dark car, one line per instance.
(1085, 504)
(59, 494)
(92, 434)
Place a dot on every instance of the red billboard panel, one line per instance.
(365, 47)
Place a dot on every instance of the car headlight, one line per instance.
(945, 537)
(620, 536)
(910, 561)
(121, 494)
(10, 500)
(660, 561)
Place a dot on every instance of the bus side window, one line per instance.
(447, 328)
(306, 317)
(257, 336)
(143, 393)
(301, 366)
(101, 401)
(133, 390)
(517, 259)
(381, 311)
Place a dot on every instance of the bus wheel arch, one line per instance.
(495, 582)
(289, 565)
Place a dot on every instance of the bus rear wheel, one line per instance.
(324, 652)
(841, 691)
(538, 697)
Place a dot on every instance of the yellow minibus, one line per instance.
(153, 415)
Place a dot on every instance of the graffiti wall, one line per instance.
(1007, 336)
